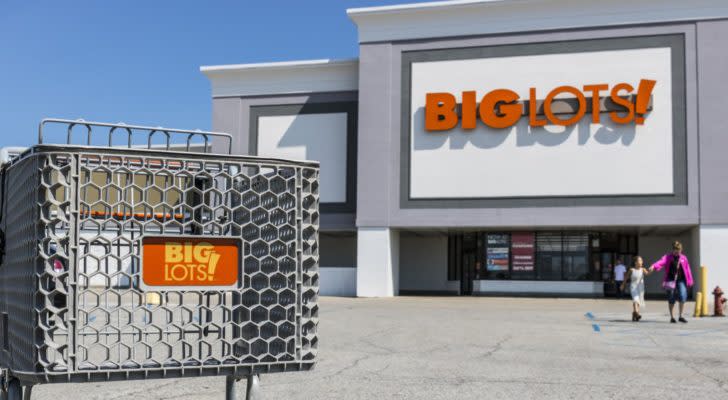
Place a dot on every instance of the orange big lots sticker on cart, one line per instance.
(190, 261)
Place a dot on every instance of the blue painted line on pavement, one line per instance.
(596, 328)
(589, 315)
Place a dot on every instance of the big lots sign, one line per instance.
(502, 108)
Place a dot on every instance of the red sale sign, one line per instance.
(523, 251)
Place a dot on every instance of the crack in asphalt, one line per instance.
(385, 349)
(497, 347)
(721, 384)
(348, 367)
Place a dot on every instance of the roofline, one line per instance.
(279, 65)
(287, 77)
(459, 18)
(415, 6)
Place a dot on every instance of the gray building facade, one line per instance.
(523, 209)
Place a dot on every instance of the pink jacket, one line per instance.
(666, 260)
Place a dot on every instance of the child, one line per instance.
(636, 278)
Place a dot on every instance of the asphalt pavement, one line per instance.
(479, 348)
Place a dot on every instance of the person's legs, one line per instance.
(671, 303)
(636, 311)
(683, 297)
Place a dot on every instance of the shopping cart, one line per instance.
(161, 260)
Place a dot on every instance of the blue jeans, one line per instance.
(680, 293)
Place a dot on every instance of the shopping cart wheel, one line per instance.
(3, 392)
(27, 392)
(252, 390)
(15, 391)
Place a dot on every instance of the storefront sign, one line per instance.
(502, 108)
(187, 261)
(497, 252)
(523, 249)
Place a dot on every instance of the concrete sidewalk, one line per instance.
(480, 348)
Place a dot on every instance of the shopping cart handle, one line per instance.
(149, 131)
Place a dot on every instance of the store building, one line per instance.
(503, 147)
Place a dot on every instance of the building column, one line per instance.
(713, 254)
(377, 258)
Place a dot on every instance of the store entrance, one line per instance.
(607, 250)
(607, 260)
(569, 256)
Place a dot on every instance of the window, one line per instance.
(575, 257)
(548, 256)
(497, 256)
(562, 256)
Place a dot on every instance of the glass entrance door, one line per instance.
(470, 257)
(466, 281)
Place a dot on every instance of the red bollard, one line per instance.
(719, 302)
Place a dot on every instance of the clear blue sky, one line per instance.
(138, 61)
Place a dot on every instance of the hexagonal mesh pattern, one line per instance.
(73, 306)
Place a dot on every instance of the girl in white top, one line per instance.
(636, 278)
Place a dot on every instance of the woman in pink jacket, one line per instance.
(677, 280)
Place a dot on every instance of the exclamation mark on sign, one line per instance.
(214, 258)
(644, 92)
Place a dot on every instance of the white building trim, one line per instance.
(377, 265)
(540, 287)
(10, 152)
(713, 239)
(480, 17)
(283, 77)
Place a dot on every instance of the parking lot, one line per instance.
(479, 348)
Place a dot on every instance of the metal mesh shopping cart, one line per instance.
(156, 261)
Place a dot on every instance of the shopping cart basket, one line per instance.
(157, 261)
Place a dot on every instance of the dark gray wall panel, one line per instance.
(712, 37)
(226, 117)
(337, 250)
(376, 140)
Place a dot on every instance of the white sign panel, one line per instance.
(585, 159)
(317, 137)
